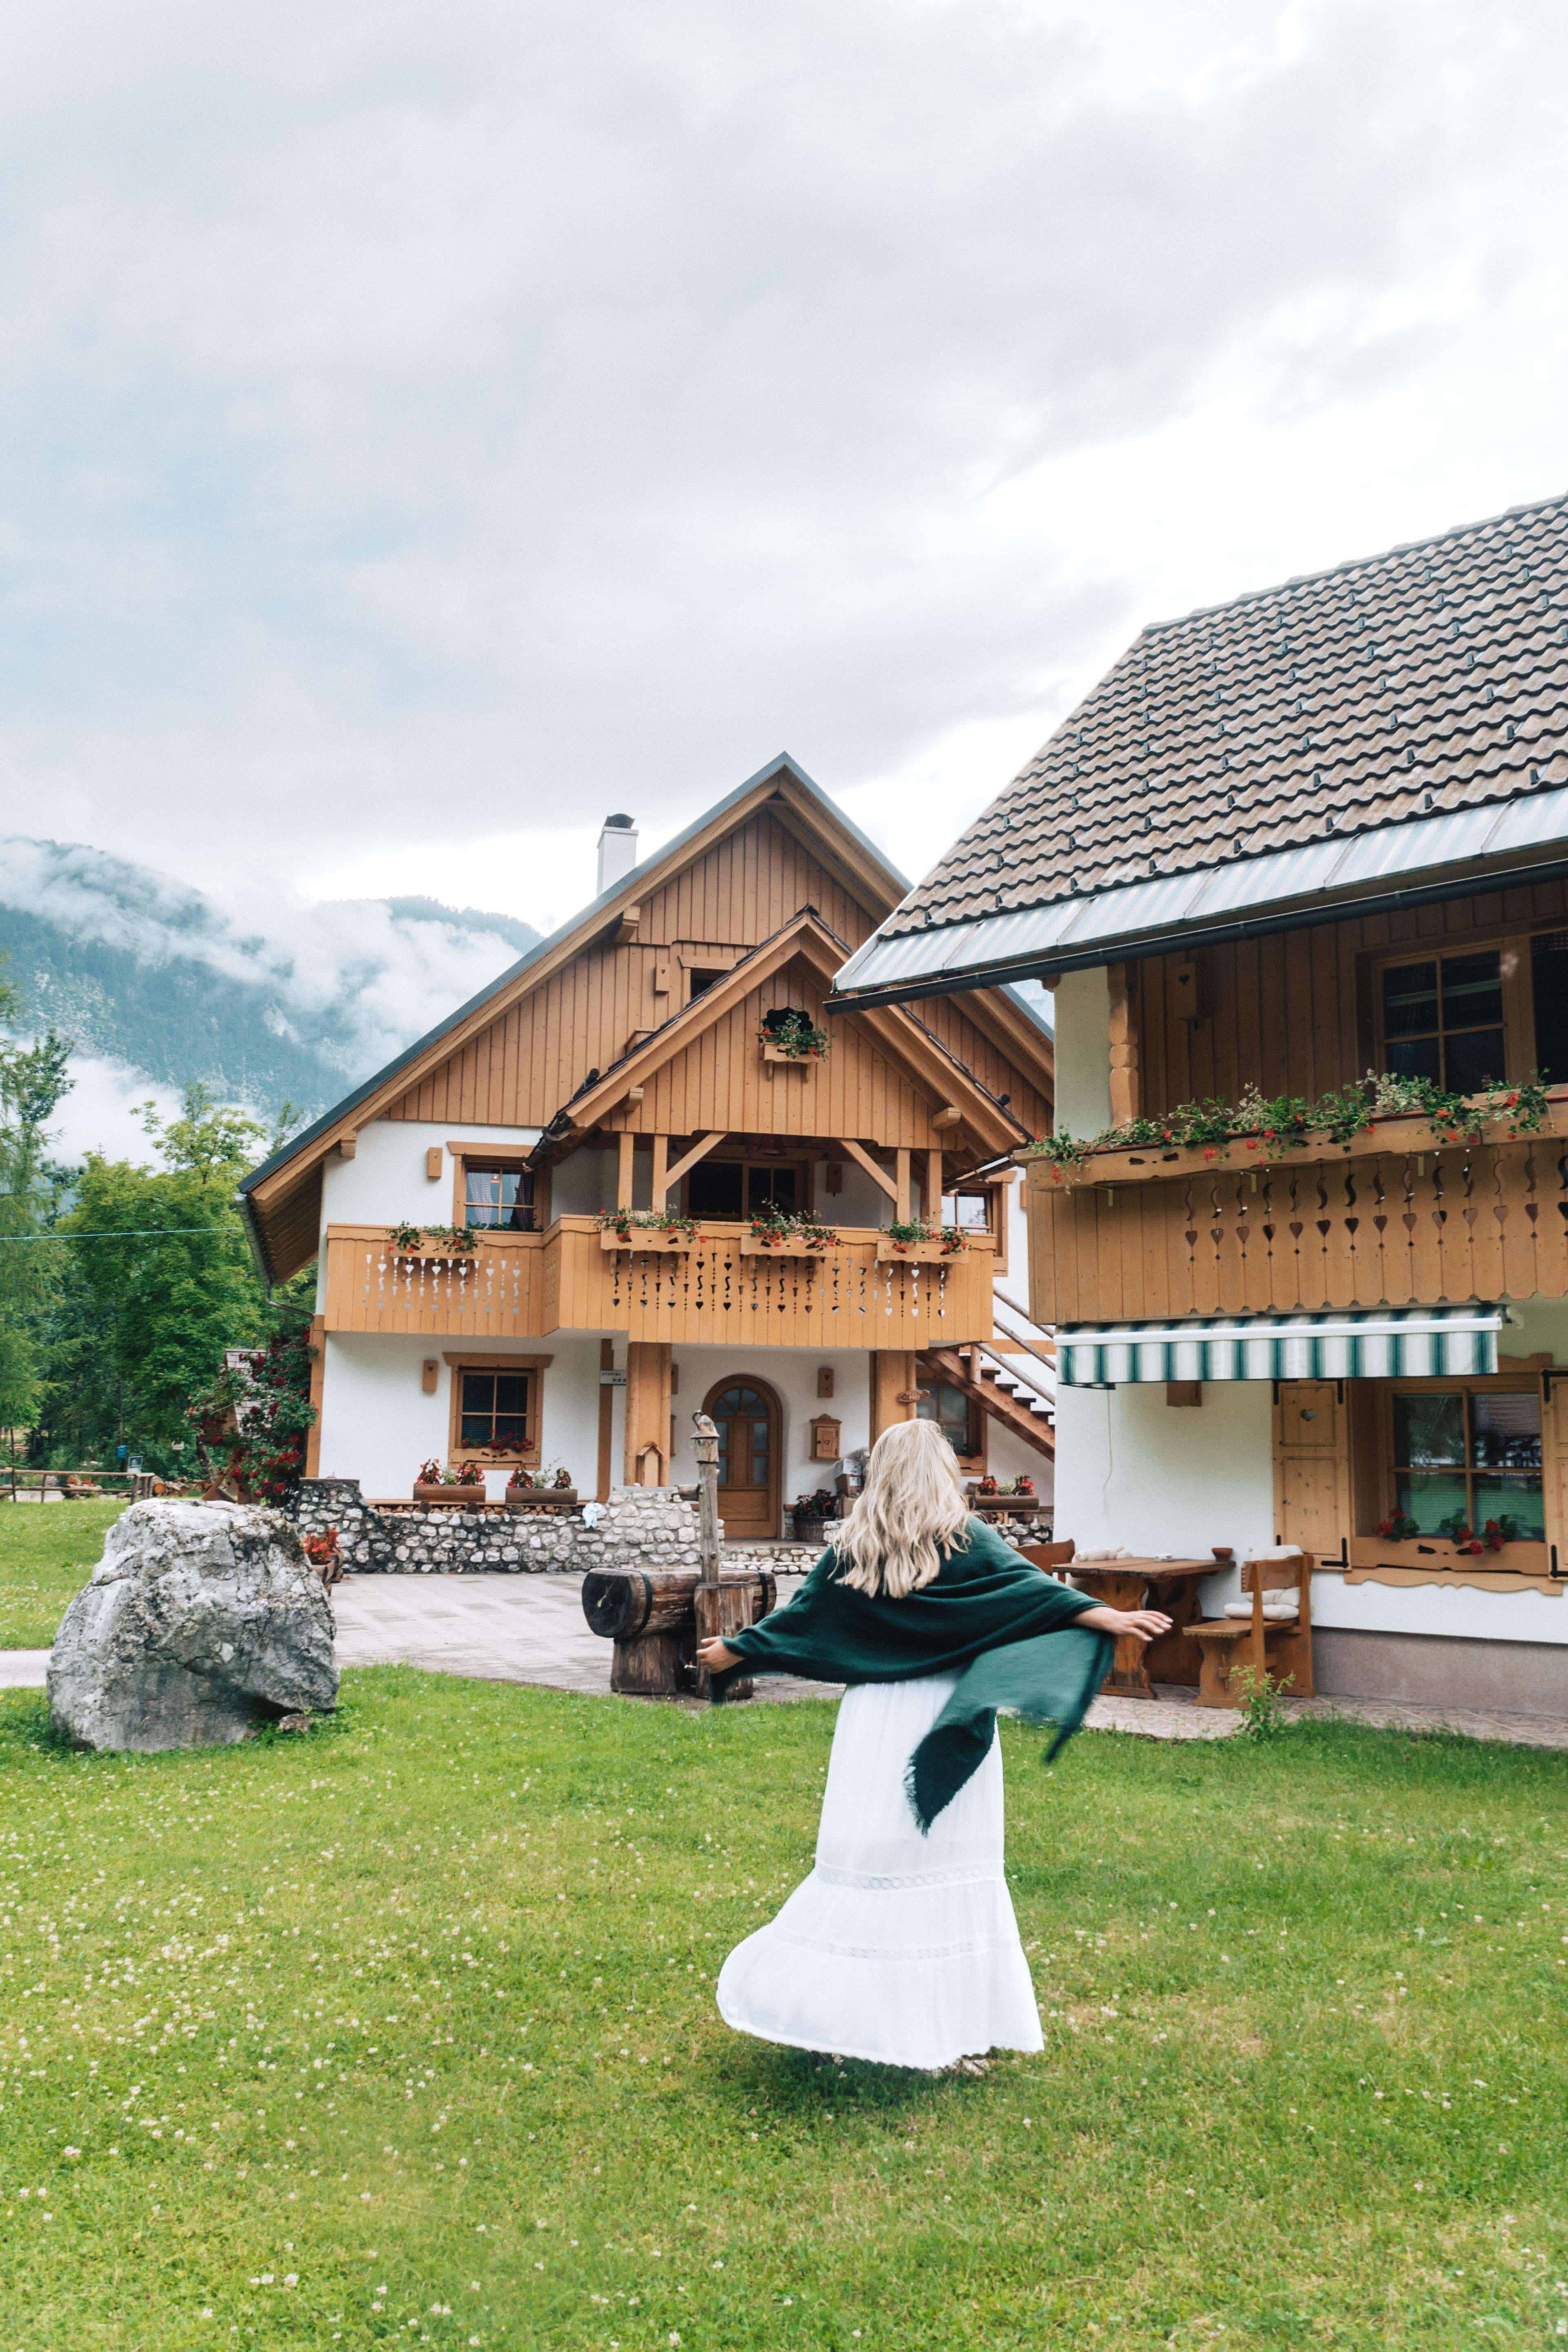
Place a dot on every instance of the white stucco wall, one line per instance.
(1083, 1053)
(1159, 1478)
(385, 1184)
(791, 1373)
(378, 1425)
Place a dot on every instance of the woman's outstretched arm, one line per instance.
(1142, 1624)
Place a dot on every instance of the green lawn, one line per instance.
(48, 1551)
(401, 2032)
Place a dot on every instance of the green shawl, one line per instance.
(990, 1616)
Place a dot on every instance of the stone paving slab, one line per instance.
(531, 1629)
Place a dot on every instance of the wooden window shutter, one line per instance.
(1312, 1468)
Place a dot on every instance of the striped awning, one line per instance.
(1386, 1343)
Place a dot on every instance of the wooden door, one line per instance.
(746, 1413)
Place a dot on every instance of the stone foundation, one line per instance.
(642, 1527)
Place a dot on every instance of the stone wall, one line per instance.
(638, 1526)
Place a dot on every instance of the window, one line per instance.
(495, 1411)
(1443, 1020)
(700, 981)
(739, 1188)
(1469, 1454)
(956, 1415)
(498, 1197)
(1549, 988)
(984, 1211)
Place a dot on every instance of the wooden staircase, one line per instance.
(1010, 1398)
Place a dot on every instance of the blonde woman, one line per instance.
(901, 1946)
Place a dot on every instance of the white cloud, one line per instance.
(99, 1113)
(419, 433)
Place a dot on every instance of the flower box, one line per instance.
(1432, 1557)
(774, 1057)
(1008, 1505)
(465, 1498)
(787, 1246)
(648, 1241)
(541, 1498)
(915, 1253)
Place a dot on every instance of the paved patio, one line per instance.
(531, 1629)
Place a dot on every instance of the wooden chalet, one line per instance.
(477, 1301)
(1309, 836)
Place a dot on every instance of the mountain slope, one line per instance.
(293, 1004)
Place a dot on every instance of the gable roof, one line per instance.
(806, 938)
(1427, 683)
(281, 1198)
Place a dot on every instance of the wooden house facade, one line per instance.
(1309, 845)
(576, 1212)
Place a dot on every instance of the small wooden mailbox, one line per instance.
(826, 1442)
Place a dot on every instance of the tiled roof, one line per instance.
(1433, 677)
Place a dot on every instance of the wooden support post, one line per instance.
(892, 1388)
(625, 1163)
(720, 1606)
(1126, 1089)
(672, 1176)
(606, 1419)
(317, 1390)
(660, 1171)
(933, 1187)
(879, 1176)
(648, 1413)
(902, 1160)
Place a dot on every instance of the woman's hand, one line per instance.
(1141, 1624)
(713, 1655)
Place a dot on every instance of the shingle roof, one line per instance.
(1429, 679)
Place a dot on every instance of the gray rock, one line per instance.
(201, 1621)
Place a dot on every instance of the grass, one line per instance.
(401, 2032)
(48, 1551)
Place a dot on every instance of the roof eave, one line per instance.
(959, 971)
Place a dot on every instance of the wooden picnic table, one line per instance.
(1168, 1584)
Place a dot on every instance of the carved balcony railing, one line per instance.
(527, 1286)
(1403, 1217)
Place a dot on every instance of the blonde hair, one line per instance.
(911, 1510)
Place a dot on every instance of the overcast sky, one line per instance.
(426, 429)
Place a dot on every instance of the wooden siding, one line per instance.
(1381, 1228)
(1287, 1012)
(518, 1071)
(527, 1286)
(721, 1081)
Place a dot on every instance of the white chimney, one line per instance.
(617, 852)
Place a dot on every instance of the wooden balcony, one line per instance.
(527, 1286)
(1402, 1218)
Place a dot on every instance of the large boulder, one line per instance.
(202, 1621)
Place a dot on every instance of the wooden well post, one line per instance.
(722, 1605)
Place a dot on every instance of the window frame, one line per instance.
(996, 1207)
(508, 1157)
(1513, 950)
(746, 1161)
(1471, 1384)
(533, 1367)
(971, 1462)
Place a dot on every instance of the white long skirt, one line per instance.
(898, 1947)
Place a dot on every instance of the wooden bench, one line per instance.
(1267, 1640)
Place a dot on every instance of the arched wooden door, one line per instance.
(746, 1413)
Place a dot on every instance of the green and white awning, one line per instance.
(1386, 1343)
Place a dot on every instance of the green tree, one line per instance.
(32, 1080)
(162, 1281)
